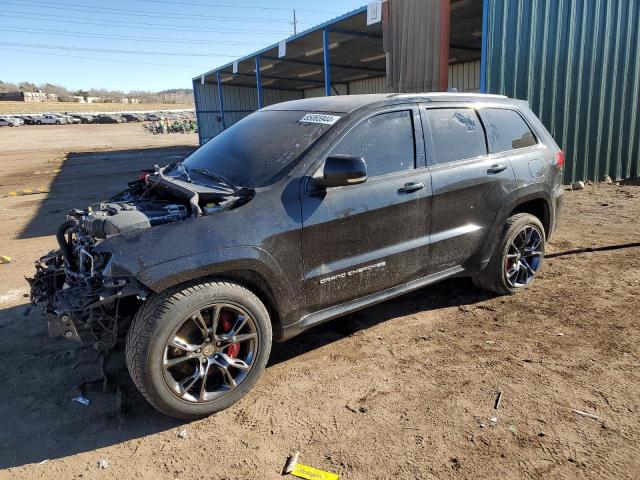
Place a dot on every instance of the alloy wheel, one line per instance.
(524, 257)
(210, 353)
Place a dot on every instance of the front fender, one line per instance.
(214, 262)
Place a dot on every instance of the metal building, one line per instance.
(577, 62)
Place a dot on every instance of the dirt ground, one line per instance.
(50, 107)
(405, 389)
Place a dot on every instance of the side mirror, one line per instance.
(342, 170)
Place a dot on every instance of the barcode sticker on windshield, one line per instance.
(319, 118)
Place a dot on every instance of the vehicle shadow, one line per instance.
(42, 375)
(449, 293)
(87, 177)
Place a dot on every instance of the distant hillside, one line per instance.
(172, 95)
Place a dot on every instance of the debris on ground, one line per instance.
(498, 400)
(493, 420)
(5, 259)
(607, 179)
(103, 463)
(586, 414)
(182, 433)
(512, 429)
(43, 461)
(84, 401)
(292, 467)
(577, 185)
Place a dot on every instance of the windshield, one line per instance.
(259, 149)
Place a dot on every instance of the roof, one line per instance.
(349, 103)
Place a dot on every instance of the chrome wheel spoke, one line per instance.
(227, 377)
(235, 363)
(188, 382)
(198, 319)
(227, 341)
(181, 344)
(203, 386)
(175, 361)
(528, 268)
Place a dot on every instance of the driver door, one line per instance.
(362, 239)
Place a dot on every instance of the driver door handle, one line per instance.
(497, 168)
(411, 187)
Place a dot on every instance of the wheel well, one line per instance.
(258, 285)
(538, 208)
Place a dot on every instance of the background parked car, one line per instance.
(6, 121)
(107, 119)
(70, 119)
(28, 119)
(50, 119)
(131, 117)
(152, 117)
(83, 118)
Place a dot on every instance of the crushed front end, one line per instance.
(86, 287)
(74, 287)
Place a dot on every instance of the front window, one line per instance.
(259, 149)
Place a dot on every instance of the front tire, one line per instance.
(517, 257)
(193, 351)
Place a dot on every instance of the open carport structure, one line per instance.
(347, 55)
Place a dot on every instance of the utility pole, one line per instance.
(295, 23)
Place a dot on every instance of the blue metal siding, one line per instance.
(577, 62)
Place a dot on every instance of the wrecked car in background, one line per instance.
(300, 213)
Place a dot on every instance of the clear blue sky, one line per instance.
(142, 44)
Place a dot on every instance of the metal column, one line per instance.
(485, 40)
(220, 100)
(327, 64)
(259, 81)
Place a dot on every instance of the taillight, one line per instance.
(560, 159)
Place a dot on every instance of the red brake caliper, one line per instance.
(227, 325)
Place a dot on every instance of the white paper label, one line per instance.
(235, 67)
(374, 12)
(201, 79)
(282, 49)
(319, 118)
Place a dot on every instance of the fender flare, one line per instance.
(223, 262)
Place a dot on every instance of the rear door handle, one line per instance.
(497, 168)
(411, 187)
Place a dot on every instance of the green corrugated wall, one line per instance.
(577, 62)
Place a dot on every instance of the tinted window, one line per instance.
(385, 142)
(259, 149)
(507, 129)
(455, 134)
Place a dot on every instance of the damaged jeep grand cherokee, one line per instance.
(300, 213)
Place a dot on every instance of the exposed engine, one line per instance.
(81, 302)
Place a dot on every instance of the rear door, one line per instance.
(361, 239)
(509, 133)
(469, 184)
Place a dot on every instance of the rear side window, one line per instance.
(454, 134)
(507, 130)
(385, 142)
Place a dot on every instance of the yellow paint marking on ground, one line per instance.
(28, 191)
(310, 473)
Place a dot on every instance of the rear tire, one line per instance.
(517, 257)
(184, 333)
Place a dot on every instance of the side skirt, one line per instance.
(335, 311)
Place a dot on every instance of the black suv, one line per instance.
(300, 213)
